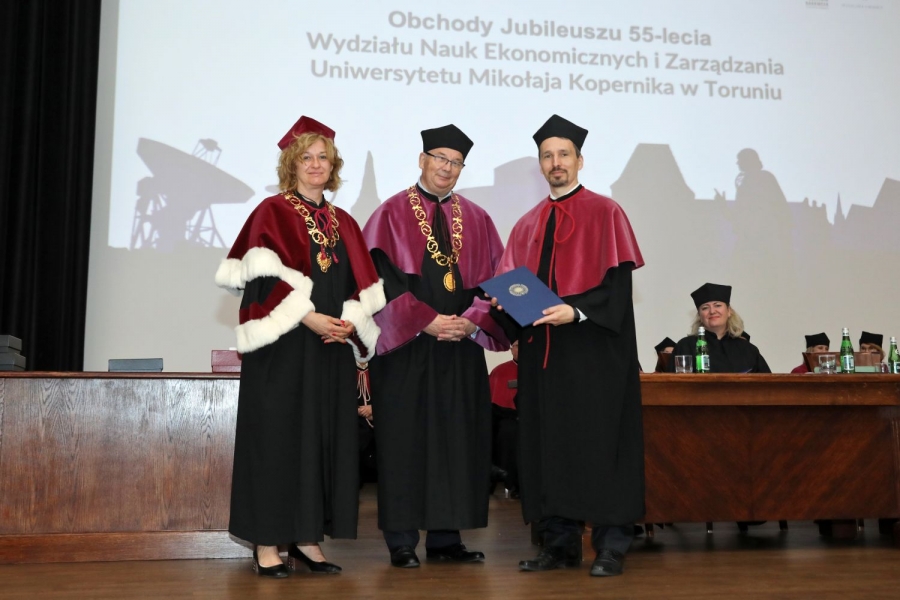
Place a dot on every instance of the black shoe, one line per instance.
(608, 563)
(498, 475)
(456, 553)
(279, 571)
(404, 557)
(553, 557)
(314, 567)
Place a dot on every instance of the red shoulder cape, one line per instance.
(274, 242)
(593, 234)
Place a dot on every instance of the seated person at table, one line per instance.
(818, 342)
(872, 343)
(729, 352)
(663, 354)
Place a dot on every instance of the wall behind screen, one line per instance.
(194, 96)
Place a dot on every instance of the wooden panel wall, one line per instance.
(115, 455)
(98, 466)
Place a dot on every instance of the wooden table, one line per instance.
(102, 466)
(771, 447)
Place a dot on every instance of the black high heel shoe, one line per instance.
(278, 571)
(296, 554)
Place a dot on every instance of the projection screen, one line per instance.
(750, 143)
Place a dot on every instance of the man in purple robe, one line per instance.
(432, 408)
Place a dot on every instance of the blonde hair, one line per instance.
(287, 162)
(733, 327)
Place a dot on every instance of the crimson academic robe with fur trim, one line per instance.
(581, 448)
(296, 470)
(431, 400)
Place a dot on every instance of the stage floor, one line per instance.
(679, 562)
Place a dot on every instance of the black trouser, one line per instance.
(434, 540)
(562, 532)
(505, 423)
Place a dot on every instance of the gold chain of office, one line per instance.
(431, 245)
(317, 236)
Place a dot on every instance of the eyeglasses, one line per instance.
(307, 159)
(443, 161)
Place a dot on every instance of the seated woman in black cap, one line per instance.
(729, 351)
(818, 342)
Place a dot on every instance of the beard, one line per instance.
(559, 179)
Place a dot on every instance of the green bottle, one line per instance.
(848, 363)
(893, 357)
(701, 356)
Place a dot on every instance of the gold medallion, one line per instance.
(324, 261)
(449, 282)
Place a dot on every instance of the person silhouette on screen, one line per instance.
(762, 224)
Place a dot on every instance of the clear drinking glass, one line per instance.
(827, 364)
(684, 364)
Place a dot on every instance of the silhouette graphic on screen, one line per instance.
(368, 199)
(174, 206)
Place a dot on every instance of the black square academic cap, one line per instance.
(871, 338)
(817, 339)
(556, 126)
(448, 136)
(709, 292)
(666, 343)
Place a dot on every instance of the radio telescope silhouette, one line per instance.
(174, 206)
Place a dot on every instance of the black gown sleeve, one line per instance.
(509, 325)
(396, 282)
(761, 365)
(607, 304)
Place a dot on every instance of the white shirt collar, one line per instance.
(561, 195)
(422, 185)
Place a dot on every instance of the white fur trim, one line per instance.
(257, 333)
(228, 276)
(359, 312)
(233, 275)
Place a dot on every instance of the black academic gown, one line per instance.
(432, 409)
(581, 447)
(296, 461)
(726, 355)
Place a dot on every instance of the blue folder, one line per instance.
(521, 294)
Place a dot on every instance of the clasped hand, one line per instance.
(330, 329)
(450, 328)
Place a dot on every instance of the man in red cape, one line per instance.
(581, 448)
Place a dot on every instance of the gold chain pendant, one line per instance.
(431, 245)
(324, 261)
(449, 282)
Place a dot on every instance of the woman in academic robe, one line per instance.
(729, 350)
(306, 334)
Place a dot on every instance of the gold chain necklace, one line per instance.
(431, 245)
(317, 236)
